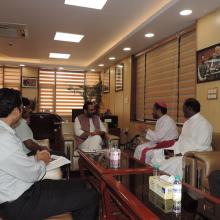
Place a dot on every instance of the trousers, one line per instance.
(214, 183)
(48, 198)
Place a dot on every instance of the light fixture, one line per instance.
(76, 38)
(126, 48)
(92, 70)
(111, 58)
(101, 65)
(22, 65)
(61, 68)
(95, 4)
(120, 66)
(185, 12)
(149, 35)
(59, 55)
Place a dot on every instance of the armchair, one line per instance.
(198, 165)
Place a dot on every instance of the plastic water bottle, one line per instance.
(156, 167)
(177, 195)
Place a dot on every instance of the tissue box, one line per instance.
(166, 205)
(160, 187)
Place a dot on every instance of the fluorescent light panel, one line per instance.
(95, 4)
(59, 55)
(76, 38)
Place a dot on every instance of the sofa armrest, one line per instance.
(210, 159)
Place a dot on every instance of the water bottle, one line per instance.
(177, 195)
(156, 167)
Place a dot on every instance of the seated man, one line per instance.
(23, 131)
(196, 135)
(165, 132)
(23, 193)
(89, 129)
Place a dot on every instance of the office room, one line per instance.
(109, 109)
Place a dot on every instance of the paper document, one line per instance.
(57, 161)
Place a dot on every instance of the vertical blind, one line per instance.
(169, 73)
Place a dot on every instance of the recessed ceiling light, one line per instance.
(61, 68)
(101, 64)
(111, 58)
(98, 4)
(186, 12)
(126, 48)
(149, 35)
(68, 37)
(22, 65)
(59, 55)
(120, 66)
(93, 70)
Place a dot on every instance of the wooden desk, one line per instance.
(98, 165)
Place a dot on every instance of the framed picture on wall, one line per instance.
(208, 64)
(119, 77)
(106, 81)
(29, 82)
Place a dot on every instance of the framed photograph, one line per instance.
(208, 64)
(29, 82)
(119, 77)
(106, 81)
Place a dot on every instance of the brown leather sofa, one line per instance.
(198, 165)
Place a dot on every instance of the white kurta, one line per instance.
(196, 135)
(165, 130)
(92, 142)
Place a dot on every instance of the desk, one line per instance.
(131, 192)
(98, 165)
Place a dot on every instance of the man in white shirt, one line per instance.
(89, 129)
(196, 135)
(23, 131)
(22, 193)
(165, 131)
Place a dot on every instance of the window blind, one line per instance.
(69, 92)
(1, 77)
(92, 79)
(12, 77)
(161, 78)
(140, 84)
(47, 90)
(187, 70)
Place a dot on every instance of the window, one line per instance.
(12, 77)
(166, 72)
(61, 91)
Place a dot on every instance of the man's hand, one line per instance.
(43, 155)
(97, 133)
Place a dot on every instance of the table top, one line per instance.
(127, 163)
(195, 203)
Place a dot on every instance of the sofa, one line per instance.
(198, 165)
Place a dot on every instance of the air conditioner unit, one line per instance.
(13, 30)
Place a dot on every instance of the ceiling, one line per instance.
(121, 23)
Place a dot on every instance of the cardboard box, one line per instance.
(160, 187)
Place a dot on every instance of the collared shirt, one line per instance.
(165, 130)
(79, 131)
(196, 135)
(24, 133)
(18, 172)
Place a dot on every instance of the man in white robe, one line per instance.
(165, 130)
(196, 135)
(89, 129)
